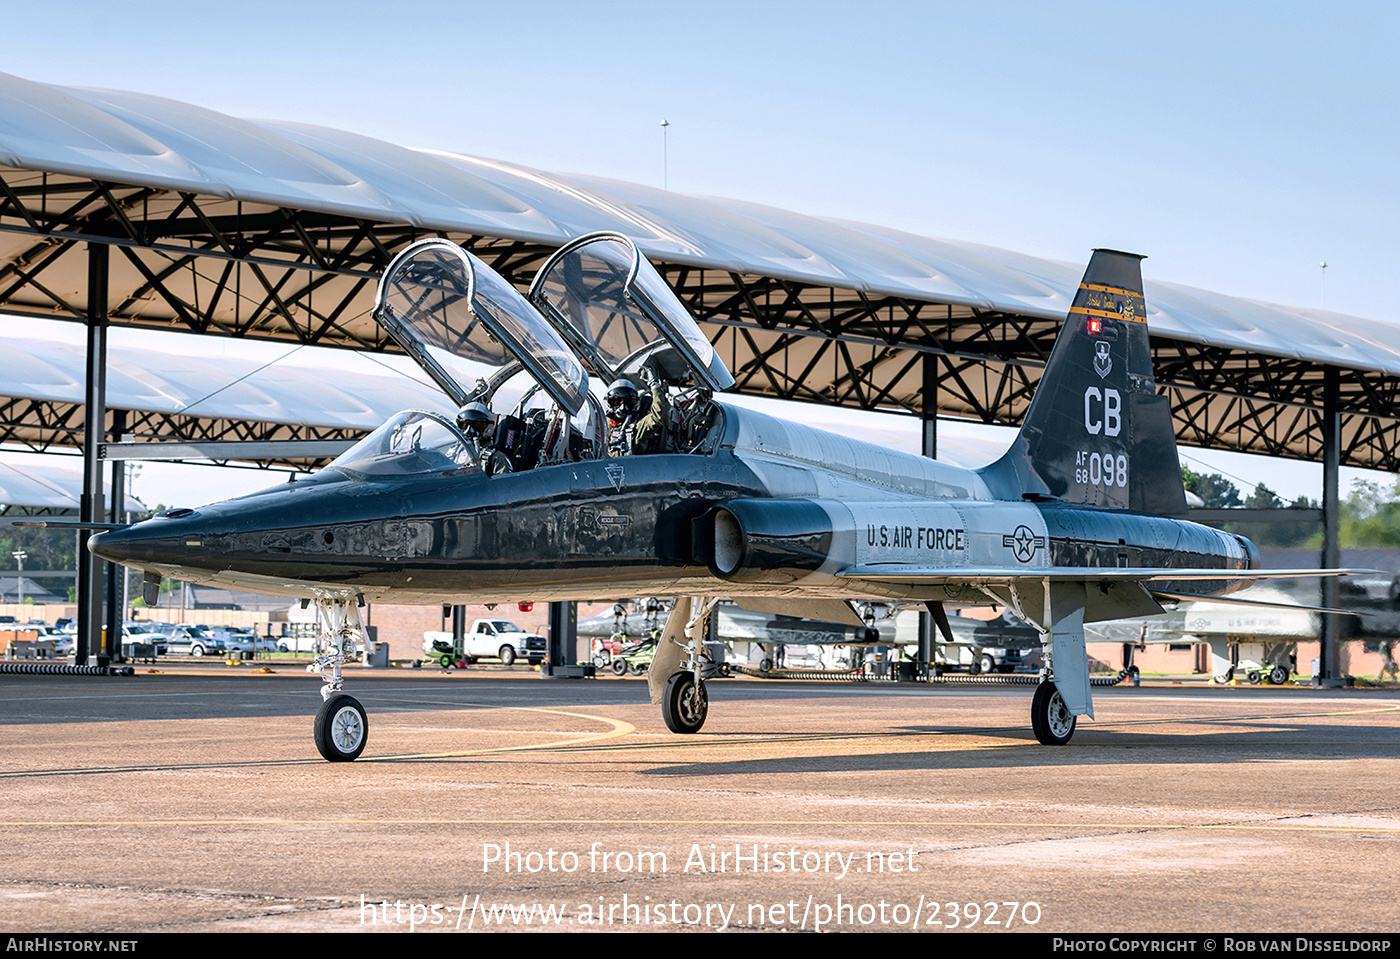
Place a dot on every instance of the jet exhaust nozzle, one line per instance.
(775, 541)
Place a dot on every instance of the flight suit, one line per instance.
(645, 434)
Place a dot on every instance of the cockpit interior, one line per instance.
(518, 366)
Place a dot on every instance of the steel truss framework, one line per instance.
(216, 266)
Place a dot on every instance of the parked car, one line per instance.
(241, 639)
(195, 642)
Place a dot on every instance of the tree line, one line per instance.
(1370, 512)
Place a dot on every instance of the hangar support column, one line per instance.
(1331, 651)
(563, 644)
(929, 447)
(91, 508)
(116, 573)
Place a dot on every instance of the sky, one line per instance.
(1238, 145)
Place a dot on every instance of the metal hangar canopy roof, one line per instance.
(28, 488)
(278, 230)
(219, 391)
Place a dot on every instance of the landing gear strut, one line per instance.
(342, 728)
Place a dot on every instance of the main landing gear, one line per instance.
(681, 657)
(342, 728)
(1056, 612)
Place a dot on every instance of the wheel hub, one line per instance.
(346, 729)
(693, 703)
(1061, 722)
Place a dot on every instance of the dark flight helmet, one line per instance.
(476, 421)
(623, 399)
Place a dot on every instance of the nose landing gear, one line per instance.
(341, 728)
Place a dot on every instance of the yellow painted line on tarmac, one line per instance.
(747, 822)
(618, 728)
(1233, 719)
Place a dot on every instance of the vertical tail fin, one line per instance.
(1097, 432)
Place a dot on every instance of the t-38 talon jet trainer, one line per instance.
(530, 494)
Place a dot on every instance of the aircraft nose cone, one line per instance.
(158, 541)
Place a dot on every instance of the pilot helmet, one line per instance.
(623, 399)
(475, 420)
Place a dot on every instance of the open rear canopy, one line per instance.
(618, 312)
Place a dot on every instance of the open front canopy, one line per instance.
(618, 312)
(463, 323)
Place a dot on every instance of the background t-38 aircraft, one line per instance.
(778, 516)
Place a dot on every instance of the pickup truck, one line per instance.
(487, 638)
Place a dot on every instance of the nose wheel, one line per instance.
(342, 729)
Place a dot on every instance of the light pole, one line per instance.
(665, 170)
(19, 556)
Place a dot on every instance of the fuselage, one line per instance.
(803, 503)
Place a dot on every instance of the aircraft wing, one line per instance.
(895, 573)
(1117, 592)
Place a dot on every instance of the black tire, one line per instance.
(1050, 718)
(989, 665)
(507, 655)
(1278, 675)
(1254, 677)
(619, 666)
(765, 665)
(341, 730)
(685, 704)
(196, 650)
(445, 662)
